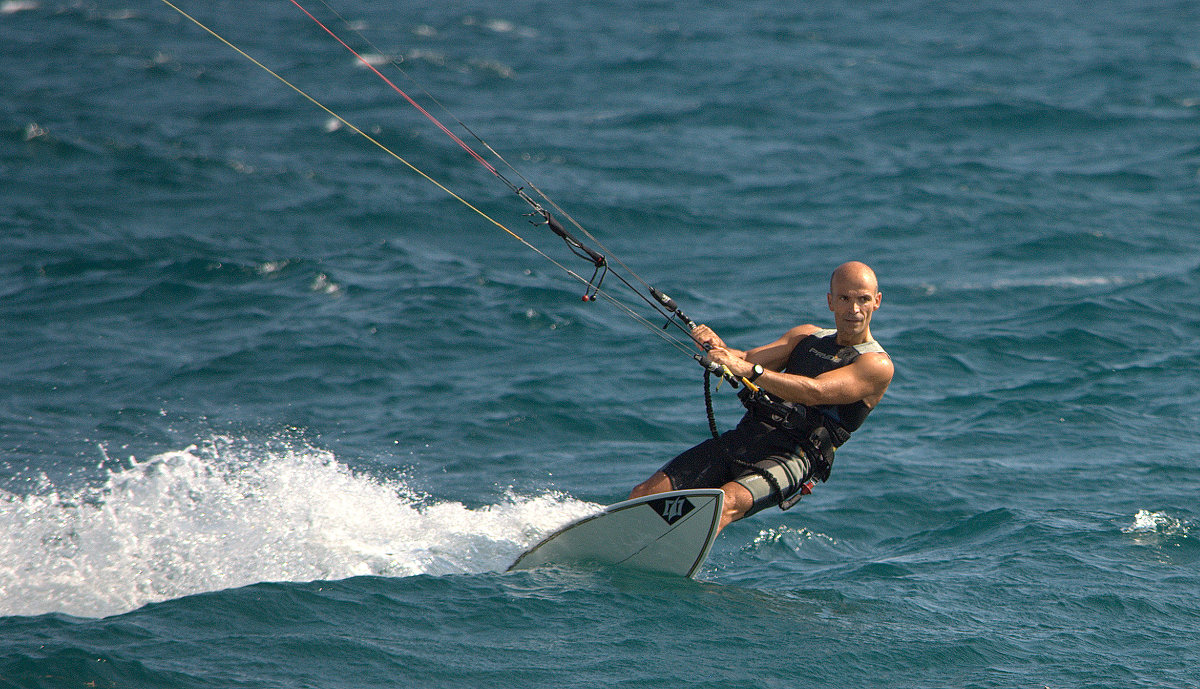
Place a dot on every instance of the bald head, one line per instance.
(853, 273)
(853, 298)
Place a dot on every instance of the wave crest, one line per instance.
(231, 514)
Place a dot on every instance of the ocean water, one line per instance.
(278, 412)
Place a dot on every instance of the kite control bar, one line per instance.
(669, 304)
(708, 364)
(723, 371)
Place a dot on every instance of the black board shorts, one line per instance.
(718, 461)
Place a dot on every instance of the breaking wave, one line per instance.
(230, 514)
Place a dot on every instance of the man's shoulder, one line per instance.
(876, 365)
(802, 331)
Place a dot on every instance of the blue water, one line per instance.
(278, 412)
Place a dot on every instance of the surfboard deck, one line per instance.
(667, 533)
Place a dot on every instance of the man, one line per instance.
(820, 385)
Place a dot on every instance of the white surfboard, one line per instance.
(669, 533)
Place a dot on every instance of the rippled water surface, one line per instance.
(278, 411)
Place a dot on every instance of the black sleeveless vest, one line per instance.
(812, 356)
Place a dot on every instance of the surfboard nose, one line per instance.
(668, 533)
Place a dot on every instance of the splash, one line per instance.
(230, 514)
(792, 537)
(1146, 521)
(14, 6)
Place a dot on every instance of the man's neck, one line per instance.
(851, 339)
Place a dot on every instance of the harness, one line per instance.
(819, 431)
(819, 435)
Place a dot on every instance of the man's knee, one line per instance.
(658, 483)
(738, 502)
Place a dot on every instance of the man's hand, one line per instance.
(736, 364)
(706, 338)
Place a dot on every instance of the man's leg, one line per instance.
(738, 501)
(657, 483)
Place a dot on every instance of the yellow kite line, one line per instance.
(596, 290)
(366, 136)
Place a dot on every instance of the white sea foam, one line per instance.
(1062, 281)
(1146, 521)
(791, 536)
(228, 514)
(1051, 282)
(14, 6)
(373, 60)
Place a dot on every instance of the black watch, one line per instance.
(758, 371)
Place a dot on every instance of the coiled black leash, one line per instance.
(709, 370)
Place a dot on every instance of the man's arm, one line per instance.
(773, 356)
(866, 379)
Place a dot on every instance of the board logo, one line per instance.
(672, 509)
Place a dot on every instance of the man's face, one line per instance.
(853, 301)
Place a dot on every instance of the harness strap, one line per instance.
(712, 427)
(813, 454)
(818, 435)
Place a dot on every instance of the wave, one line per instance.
(232, 513)
(1147, 522)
